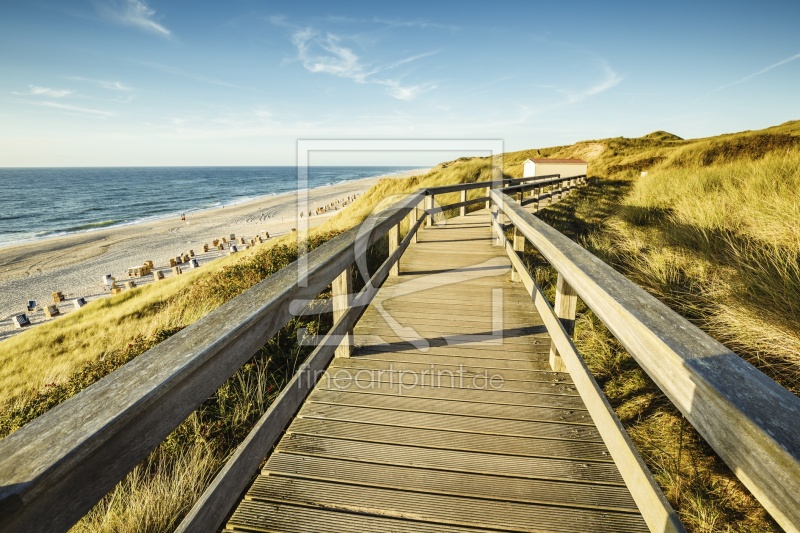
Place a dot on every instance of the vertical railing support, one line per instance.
(394, 242)
(414, 216)
(342, 292)
(566, 302)
(429, 205)
(488, 197)
(463, 210)
(519, 246)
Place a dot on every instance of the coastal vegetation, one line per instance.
(712, 229)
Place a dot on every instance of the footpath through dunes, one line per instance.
(447, 416)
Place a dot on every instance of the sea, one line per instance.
(38, 203)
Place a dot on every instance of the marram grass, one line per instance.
(711, 230)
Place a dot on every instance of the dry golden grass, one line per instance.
(709, 231)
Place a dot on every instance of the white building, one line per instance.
(567, 168)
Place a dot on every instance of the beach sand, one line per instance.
(76, 264)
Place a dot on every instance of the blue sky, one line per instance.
(156, 82)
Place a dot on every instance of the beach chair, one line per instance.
(31, 306)
(21, 320)
(157, 275)
(233, 236)
(191, 253)
(194, 263)
(130, 284)
(58, 297)
(79, 302)
(205, 248)
(176, 270)
(51, 311)
(172, 263)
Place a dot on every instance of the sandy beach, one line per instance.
(76, 264)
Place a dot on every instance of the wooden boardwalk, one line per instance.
(446, 418)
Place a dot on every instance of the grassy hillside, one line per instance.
(712, 230)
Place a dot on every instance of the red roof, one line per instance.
(560, 161)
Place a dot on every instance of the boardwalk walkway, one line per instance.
(446, 418)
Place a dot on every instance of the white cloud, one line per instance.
(134, 13)
(75, 109)
(760, 72)
(47, 91)
(110, 85)
(325, 54)
(406, 93)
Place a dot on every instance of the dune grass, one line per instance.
(713, 233)
(711, 230)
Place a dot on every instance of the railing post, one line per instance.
(519, 246)
(429, 205)
(394, 241)
(463, 210)
(488, 197)
(342, 292)
(414, 215)
(566, 302)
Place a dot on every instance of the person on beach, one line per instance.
(183, 216)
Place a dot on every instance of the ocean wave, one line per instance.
(93, 225)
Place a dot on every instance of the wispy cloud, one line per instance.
(760, 72)
(186, 74)
(134, 13)
(418, 23)
(110, 85)
(74, 108)
(325, 53)
(34, 90)
(610, 80)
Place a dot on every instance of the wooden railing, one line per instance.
(54, 469)
(751, 422)
(57, 467)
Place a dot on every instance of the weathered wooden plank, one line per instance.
(451, 372)
(342, 296)
(726, 399)
(449, 407)
(543, 396)
(457, 359)
(484, 486)
(466, 424)
(287, 518)
(443, 439)
(454, 460)
(440, 509)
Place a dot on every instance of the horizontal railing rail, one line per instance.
(54, 469)
(220, 497)
(747, 418)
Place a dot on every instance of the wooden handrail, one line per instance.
(747, 418)
(54, 469)
(654, 507)
(210, 510)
